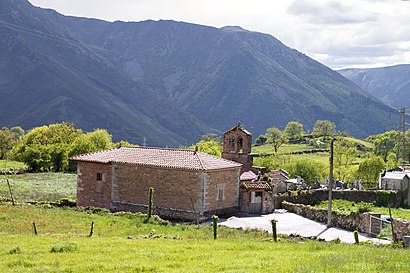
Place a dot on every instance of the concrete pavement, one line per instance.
(290, 223)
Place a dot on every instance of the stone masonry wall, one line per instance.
(229, 180)
(313, 197)
(359, 221)
(350, 222)
(401, 228)
(177, 193)
(172, 188)
(91, 192)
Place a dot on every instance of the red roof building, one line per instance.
(188, 185)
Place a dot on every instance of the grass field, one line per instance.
(284, 149)
(39, 186)
(124, 244)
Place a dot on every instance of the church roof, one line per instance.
(240, 127)
(159, 157)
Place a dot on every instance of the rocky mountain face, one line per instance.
(389, 84)
(167, 81)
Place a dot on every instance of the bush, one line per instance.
(60, 248)
(15, 250)
(65, 202)
(385, 198)
(94, 210)
(364, 207)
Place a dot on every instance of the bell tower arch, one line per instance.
(237, 144)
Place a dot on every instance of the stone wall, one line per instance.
(401, 228)
(125, 187)
(359, 221)
(91, 192)
(349, 222)
(173, 213)
(313, 197)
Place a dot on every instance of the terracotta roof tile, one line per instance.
(159, 157)
(260, 185)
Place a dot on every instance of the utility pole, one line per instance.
(402, 132)
(329, 207)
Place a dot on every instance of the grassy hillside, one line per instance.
(290, 153)
(126, 244)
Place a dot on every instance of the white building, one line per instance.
(396, 180)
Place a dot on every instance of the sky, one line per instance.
(339, 34)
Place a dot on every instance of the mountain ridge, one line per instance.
(390, 84)
(167, 81)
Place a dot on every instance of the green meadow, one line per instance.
(123, 242)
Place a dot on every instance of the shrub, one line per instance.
(356, 236)
(15, 250)
(94, 210)
(60, 248)
(384, 198)
(65, 202)
(274, 231)
(364, 207)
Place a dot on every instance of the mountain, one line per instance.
(390, 84)
(164, 80)
(48, 76)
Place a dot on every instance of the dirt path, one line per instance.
(290, 223)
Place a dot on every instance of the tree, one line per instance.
(294, 131)
(46, 147)
(7, 142)
(370, 169)
(307, 169)
(261, 140)
(324, 128)
(101, 139)
(275, 136)
(211, 147)
(343, 156)
(385, 143)
(391, 162)
(17, 131)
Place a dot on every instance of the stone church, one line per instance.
(255, 194)
(189, 185)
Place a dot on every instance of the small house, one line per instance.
(396, 180)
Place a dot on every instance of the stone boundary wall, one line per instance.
(359, 221)
(313, 197)
(354, 221)
(172, 213)
(401, 228)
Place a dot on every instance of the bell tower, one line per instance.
(237, 144)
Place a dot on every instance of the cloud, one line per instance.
(329, 12)
(344, 33)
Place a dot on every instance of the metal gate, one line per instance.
(380, 227)
(255, 207)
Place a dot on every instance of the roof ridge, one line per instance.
(96, 152)
(201, 163)
(158, 148)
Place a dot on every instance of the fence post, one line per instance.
(92, 229)
(35, 228)
(11, 193)
(215, 225)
